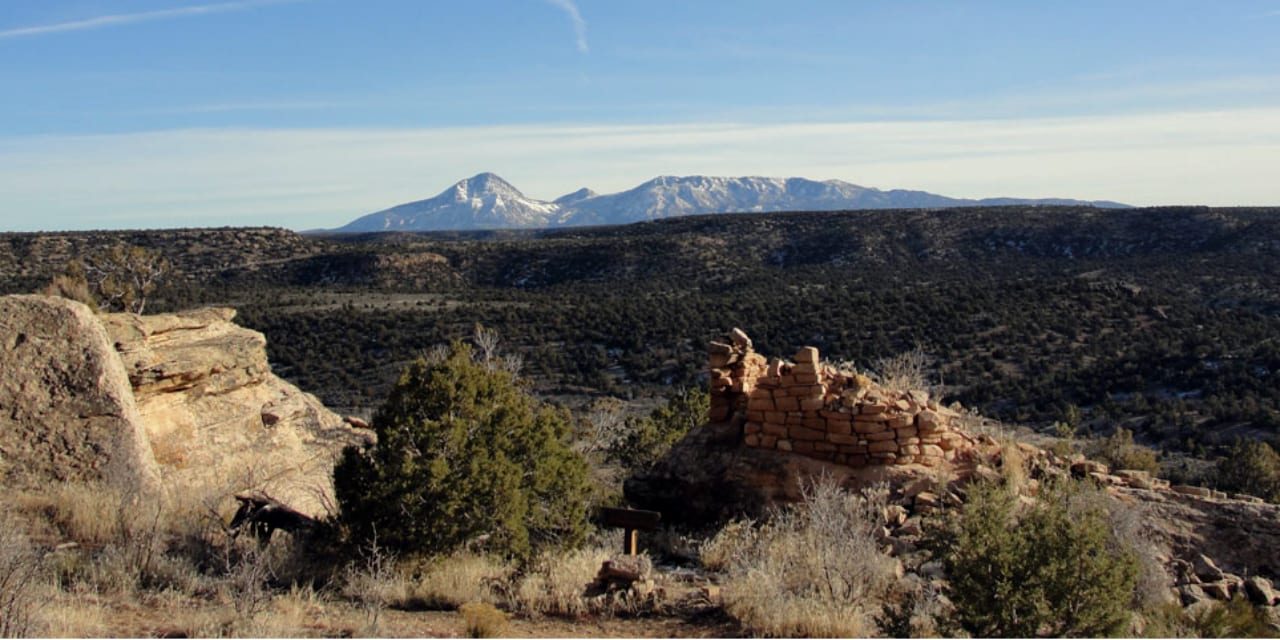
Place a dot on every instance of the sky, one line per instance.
(128, 114)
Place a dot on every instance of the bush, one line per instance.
(1251, 467)
(19, 574)
(464, 455)
(649, 438)
(483, 620)
(1119, 451)
(1052, 568)
(812, 570)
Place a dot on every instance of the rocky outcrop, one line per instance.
(183, 402)
(67, 411)
(218, 419)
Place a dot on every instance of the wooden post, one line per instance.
(632, 522)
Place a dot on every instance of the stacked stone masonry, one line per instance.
(813, 409)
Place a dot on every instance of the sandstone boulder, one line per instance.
(67, 411)
(1260, 591)
(218, 419)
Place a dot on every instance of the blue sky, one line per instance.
(309, 113)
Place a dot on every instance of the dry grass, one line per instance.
(19, 573)
(483, 620)
(449, 582)
(907, 371)
(87, 514)
(556, 582)
(812, 570)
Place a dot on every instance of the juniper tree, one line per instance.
(464, 454)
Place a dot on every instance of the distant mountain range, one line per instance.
(486, 201)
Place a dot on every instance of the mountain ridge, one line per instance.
(486, 201)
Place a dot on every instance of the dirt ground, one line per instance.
(342, 620)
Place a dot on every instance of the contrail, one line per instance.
(120, 19)
(579, 25)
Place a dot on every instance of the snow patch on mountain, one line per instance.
(486, 201)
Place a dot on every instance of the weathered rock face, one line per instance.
(67, 411)
(218, 420)
(186, 403)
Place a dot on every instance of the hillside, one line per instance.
(1161, 320)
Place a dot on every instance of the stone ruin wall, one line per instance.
(814, 409)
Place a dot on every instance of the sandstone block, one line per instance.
(856, 460)
(1260, 591)
(928, 421)
(751, 427)
(786, 404)
(807, 355)
(802, 446)
(882, 446)
(752, 440)
(909, 449)
(815, 422)
(930, 461)
(759, 402)
(1217, 590)
(806, 378)
(931, 450)
(740, 339)
(719, 413)
(839, 428)
(907, 432)
(776, 417)
(795, 418)
(872, 408)
(1192, 490)
(774, 429)
(755, 416)
(881, 436)
(811, 404)
(904, 459)
(901, 422)
(854, 449)
(805, 433)
(768, 441)
(806, 368)
(1206, 569)
(824, 446)
(864, 427)
(784, 445)
(842, 439)
(910, 440)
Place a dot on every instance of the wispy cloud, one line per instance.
(121, 19)
(579, 25)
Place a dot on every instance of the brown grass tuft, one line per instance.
(483, 620)
(812, 570)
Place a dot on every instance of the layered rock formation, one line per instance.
(191, 394)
